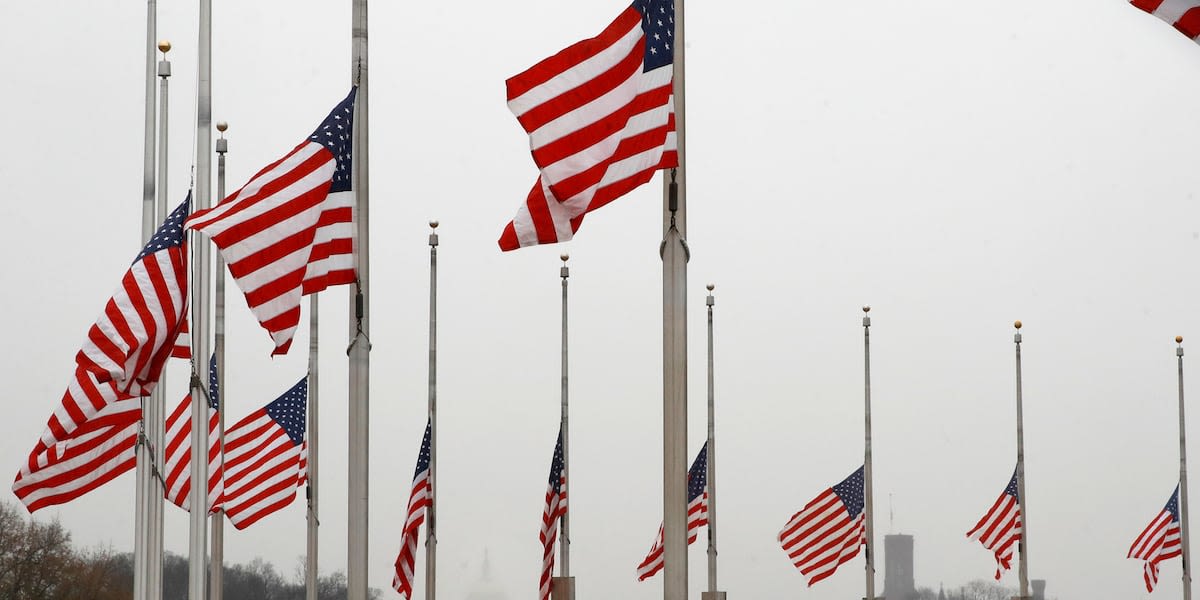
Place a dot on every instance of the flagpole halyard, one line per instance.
(1183, 495)
(1023, 542)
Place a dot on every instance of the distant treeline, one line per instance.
(38, 562)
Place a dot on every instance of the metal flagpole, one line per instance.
(216, 570)
(867, 472)
(674, 252)
(144, 489)
(431, 511)
(1023, 543)
(359, 352)
(1183, 498)
(563, 586)
(314, 521)
(198, 500)
(712, 593)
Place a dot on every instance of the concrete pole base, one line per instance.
(712, 595)
(562, 588)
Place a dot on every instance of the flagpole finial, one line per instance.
(1017, 324)
(1179, 339)
(433, 236)
(711, 287)
(222, 126)
(164, 46)
(433, 224)
(866, 308)
(564, 257)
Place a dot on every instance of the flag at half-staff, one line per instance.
(289, 231)
(1000, 528)
(91, 437)
(418, 502)
(1159, 541)
(600, 118)
(1183, 15)
(266, 458)
(828, 531)
(697, 515)
(177, 455)
(553, 512)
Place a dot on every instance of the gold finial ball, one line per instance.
(433, 224)
(1179, 339)
(222, 126)
(866, 308)
(564, 257)
(711, 286)
(164, 46)
(1017, 324)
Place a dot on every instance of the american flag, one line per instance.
(266, 458)
(1000, 528)
(601, 119)
(418, 502)
(91, 437)
(1184, 15)
(554, 511)
(828, 531)
(1159, 541)
(697, 514)
(289, 231)
(177, 454)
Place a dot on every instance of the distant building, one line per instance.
(485, 587)
(1039, 589)
(898, 580)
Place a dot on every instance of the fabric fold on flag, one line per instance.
(418, 501)
(289, 231)
(177, 454)
(601, 120)
(1000, 528)
(266, 458)
(553, 512)
(829, 530)
(697, 514)
(1183, 15)
(91, 437)
(1159, 541)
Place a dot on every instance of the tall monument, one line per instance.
(898, 580)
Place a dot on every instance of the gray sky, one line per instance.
(956, 166)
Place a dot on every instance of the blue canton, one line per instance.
(1173, 506)
(170, 233)
(214, 394)
(1011, 490)
(288, 411)
(334, 134)
(698, 474)
(556, 466)
(658, 25)
(423, 457)
(852, 492)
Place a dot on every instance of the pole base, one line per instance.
(712, 595)
(562, 588)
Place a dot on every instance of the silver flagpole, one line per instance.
(144, 485)
(157, 426)
(1023, 543)
(1183, 498)
(867, 472)
(712, 593)
(563, 586)
(216, 569)
(674, 252)
(314, 521)
(431, 512)
(359, 353)
(198, 500)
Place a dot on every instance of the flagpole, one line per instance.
(1023, 543)
(144, 489)
(359, 352)
(674, 253)
(216, 570)
(712, 593)
(563, 586)
(1183, 498)
(198, 533)
(867, 472)
(431, 511)
(314, 521)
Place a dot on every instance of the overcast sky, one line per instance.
(955, 165)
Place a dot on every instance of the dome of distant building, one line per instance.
(486, 588)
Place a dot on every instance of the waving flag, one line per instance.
(552, 513)
(289, 231)
(1183, 15)
(697, 514)
(1000, 528)
(266, 458)
(828, 531)
(600, 118)
(418, 502)
(91, 437)
(177, 459)
(1159, 541)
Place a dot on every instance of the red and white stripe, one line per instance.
(418, 502)
(823, 536)
(598, 127)
(697, 518)
(999, 530)
(552, 514)
(263, 468)
(178, 457)
(1158, 542)
(1183, 15)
